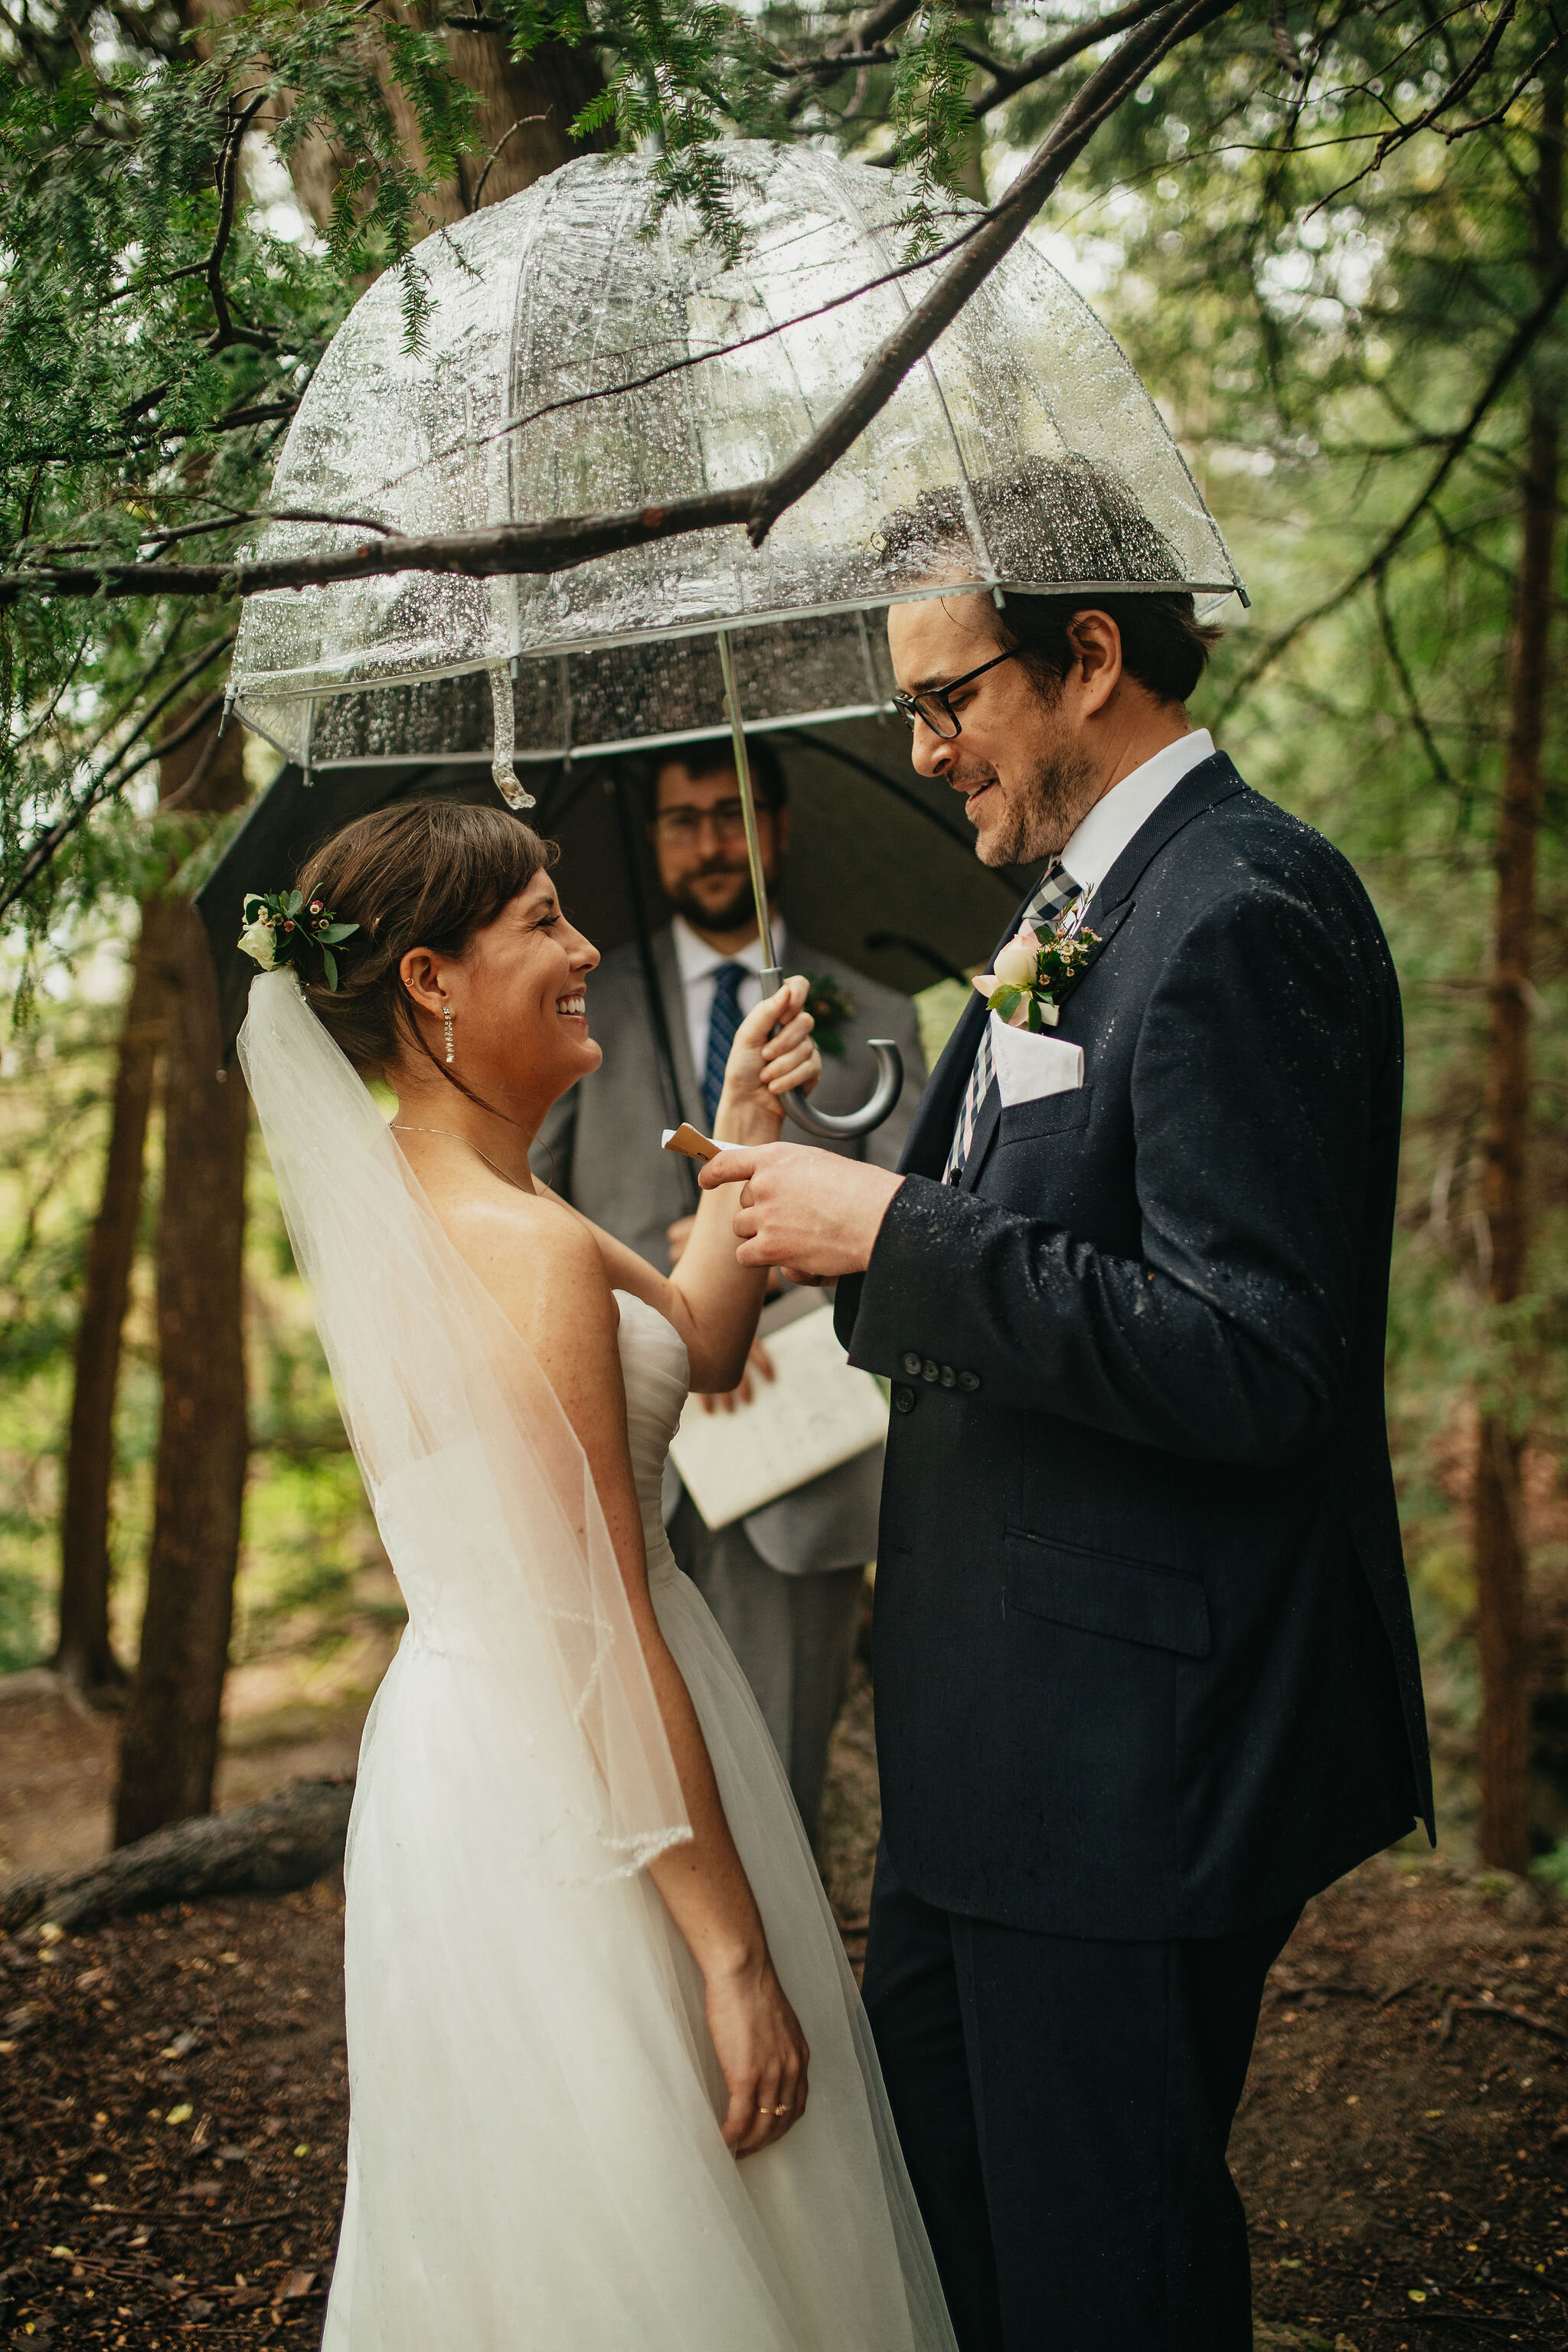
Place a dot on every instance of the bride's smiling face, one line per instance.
(520, 1015)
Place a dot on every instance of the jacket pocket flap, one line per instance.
(1058, 1114)
(1129, 1599)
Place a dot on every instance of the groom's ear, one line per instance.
(421, 976)
(1096, 644)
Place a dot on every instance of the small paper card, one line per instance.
(1028, 1066)
(686, 1139)
(816, 1411)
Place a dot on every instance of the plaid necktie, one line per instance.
(723, 1024)
(1058, 891)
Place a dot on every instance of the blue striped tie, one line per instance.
(1056, 891)
(723, 1024)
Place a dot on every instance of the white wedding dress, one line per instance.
(535, 2162)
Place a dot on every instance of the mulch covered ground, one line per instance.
(172, 2121)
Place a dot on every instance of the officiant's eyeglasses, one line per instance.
(728, 819)
(932, 705)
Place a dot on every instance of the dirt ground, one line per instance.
(173, 2114)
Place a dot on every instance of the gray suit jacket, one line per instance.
(600, 1148)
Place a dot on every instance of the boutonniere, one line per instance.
(830, 1007)
(280, 927)
(1030, 971)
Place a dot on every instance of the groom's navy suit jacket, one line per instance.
(1144, 1659)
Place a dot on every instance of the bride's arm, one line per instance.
(712, 1302)
(559, 1299)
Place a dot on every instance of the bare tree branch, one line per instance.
(1412, 701)
(1011, 79)
(1517, 351)
(113, 780)
(561, 542)
(1105, 89)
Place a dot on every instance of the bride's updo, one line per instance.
(424, 874)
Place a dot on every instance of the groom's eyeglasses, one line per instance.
(932, 705)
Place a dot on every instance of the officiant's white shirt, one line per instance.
(1111, 823)
(697, 963)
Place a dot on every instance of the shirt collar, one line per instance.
(698, 961)
(1111, 823)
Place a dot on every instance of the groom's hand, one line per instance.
(811, 1213)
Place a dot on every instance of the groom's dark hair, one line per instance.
(421, 873)
(1063, 519)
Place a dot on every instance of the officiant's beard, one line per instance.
(1043, 807)
(732, 914)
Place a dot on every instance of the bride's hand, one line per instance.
(762, 2053)
(764, 1067)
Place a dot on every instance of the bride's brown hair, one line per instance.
(424, 874)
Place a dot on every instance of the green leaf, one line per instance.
(1005, 1002)
(334, 932)
(330, 961)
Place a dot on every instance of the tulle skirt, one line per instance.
(535, 2154)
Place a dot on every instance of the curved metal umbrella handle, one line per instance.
(890, 1085)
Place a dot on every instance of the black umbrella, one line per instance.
(883, 872)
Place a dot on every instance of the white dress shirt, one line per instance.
(1113, 820)
(697, 963)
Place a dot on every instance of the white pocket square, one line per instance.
(1029, 1065)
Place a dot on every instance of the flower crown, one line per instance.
(278, 928)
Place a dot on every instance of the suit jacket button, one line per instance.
(903, 1398)
(949, 1377)
(912, 1366)
(969, 1382)
(929, 1370)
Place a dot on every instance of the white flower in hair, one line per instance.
(258, 941)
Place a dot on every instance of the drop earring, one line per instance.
(447, 1027)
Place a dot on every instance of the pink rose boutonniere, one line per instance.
(1029, 971)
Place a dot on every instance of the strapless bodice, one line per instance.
(657, 1376)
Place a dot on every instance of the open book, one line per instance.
(816, 1411)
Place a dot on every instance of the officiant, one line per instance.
(783, 1582)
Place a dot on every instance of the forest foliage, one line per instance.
(1311, 226)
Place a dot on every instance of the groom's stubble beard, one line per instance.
(1045, 805)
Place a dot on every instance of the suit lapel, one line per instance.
(931, 1133)
(1201, 789)
(931, 1137)
(985, 1127)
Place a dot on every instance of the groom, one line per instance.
(1146, 1674)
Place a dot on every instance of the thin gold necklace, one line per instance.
(452, 1136)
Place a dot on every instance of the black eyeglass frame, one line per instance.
(908, 705)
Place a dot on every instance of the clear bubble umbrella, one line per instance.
(1023, 450)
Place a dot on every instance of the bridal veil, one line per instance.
(465, 1451)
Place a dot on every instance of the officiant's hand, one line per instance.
(811, 1213)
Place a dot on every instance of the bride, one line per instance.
(589, 1964)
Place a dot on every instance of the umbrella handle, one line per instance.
(890, 1085)
(885, 1094)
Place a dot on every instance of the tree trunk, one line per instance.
(169, 1747)
(1500, 1535)
(522, 119)
(84, 1654)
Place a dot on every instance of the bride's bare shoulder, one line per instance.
(539, 1262)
